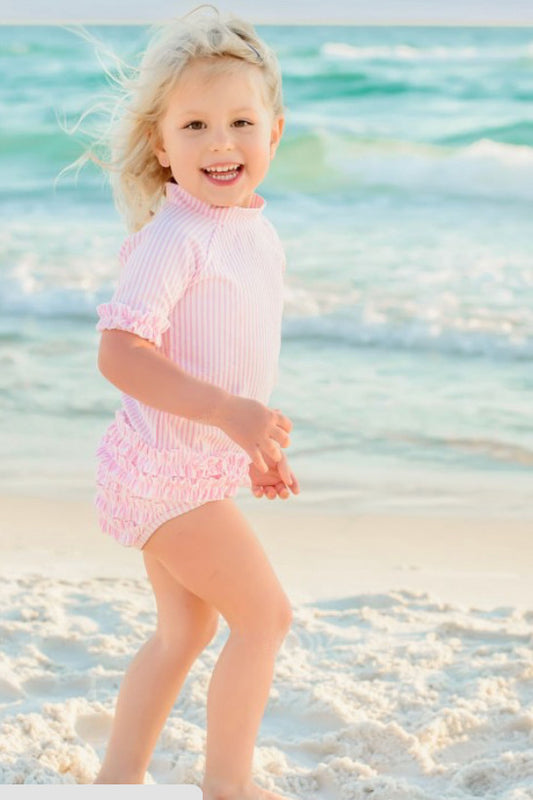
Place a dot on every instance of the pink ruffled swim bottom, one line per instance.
(139, 487)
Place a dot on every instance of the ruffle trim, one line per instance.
(131, 521)
(139, 487)
(132, 487)
(124, 508)
(129, 463)
(147, 324)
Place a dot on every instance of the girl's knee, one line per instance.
(269, 624)
(203, 633)
(210, 630)
(194, 633)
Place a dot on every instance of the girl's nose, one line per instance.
(221, 140)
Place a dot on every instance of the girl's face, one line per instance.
(218, 120)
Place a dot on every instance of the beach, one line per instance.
(402, 193)
(407, 672)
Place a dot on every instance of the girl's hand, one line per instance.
(259, 430)
(270, 483)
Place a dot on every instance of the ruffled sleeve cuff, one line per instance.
(147, 324)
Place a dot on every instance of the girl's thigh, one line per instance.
(178, 609)
(213, 552)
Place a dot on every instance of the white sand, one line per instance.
(407, 674)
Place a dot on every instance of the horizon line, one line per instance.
(299, 23)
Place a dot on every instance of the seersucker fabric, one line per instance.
(205, 284)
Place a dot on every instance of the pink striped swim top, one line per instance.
(205, 284)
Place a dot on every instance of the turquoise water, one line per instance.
(403, 193)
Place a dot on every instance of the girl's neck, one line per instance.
(175, 193)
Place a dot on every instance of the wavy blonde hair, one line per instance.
(141, 95)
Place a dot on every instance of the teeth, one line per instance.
(230, 168)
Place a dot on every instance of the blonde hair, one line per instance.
(136, 176)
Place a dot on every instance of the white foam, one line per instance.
(407, 52)
(484, 168)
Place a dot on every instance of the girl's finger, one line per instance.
(283, 421)
(274, 452)
(293, 483)
(284, 472)
(280, 429)
(283, 468)
(282, 490)
(281, 436)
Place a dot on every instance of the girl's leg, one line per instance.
(185, 625)
(213, 552)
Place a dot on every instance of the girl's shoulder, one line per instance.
(167, 230)
(275, 239)
(269, 226)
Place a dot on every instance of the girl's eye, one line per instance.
(198, 122)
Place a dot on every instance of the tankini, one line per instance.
(205, 284)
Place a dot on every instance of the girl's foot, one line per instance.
(255, 792)
(266, 795)
(109, 779)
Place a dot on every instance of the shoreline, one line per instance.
(470, 560)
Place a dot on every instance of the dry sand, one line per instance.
(407, 674)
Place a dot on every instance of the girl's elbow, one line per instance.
(101, 363)
(115, 351)
(108, 353)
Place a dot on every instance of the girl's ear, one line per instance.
(162, 158)
(275, 135)
(158, 148)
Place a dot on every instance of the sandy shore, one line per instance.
(478, 561)
(407, 673)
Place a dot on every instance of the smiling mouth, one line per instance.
(223, 175)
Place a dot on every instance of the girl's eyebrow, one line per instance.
(200, 113)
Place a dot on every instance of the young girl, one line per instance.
(191, 337)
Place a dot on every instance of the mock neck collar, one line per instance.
(177, 194)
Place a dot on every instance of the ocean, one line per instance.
(402, 191)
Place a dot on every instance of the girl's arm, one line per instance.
(136, 367)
